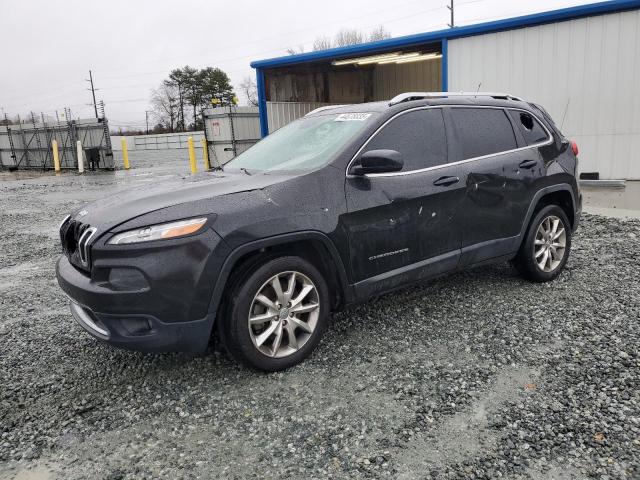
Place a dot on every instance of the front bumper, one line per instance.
(143, 332)
(152, 298)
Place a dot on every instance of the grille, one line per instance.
(75, 238)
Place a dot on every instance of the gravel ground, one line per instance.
(476, 375)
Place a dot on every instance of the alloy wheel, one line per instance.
(550, 243)
(284, 314)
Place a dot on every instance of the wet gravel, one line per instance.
(475, 375)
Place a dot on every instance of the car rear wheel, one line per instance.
(276, 314)
(546, 247)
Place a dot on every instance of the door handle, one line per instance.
(446, 181)
(528, 164)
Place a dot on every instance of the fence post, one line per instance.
(205, 154)
(125, 153)
(192, 155)
(80, 156)
(56, 155)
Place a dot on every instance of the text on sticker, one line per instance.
(352, 117)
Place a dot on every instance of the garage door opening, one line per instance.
(293, 91)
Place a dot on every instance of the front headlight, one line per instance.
(159, 232)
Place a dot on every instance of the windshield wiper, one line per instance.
(245, 170)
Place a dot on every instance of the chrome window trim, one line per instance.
(549, 141)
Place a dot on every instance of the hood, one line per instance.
(120, 207)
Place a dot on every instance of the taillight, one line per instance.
(574, 148)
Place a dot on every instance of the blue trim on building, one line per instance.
(444, 65)
(440, 36)
(262, 103)
(457, 32)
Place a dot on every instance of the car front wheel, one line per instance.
(546, 247)
(276, 314)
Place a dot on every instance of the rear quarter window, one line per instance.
(482, 131)
(531, 129)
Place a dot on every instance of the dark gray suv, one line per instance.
(341, 205)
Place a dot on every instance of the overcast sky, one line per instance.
(131, 45)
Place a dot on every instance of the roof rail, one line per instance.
(322, 109)
(405, 97)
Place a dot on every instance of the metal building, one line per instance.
(581, 63)
(229, 131)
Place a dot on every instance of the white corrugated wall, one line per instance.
(591, 64)
(281, 113)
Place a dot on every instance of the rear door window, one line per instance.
(418, 135)
(531, 129)
(482, 131)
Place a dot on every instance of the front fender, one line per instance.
(253, 246)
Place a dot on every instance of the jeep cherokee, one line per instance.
(341, 205)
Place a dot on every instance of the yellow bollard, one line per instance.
(192, 155)
(125, 153)
(205, 154)
(56, 155)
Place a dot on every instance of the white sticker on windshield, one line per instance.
(352, 117)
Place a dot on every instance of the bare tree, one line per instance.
(379, 33)
(321, 43)
(348, 37)
(343, 38)
(248, 87)
(165, 105)
(294, 51)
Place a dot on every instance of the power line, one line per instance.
(282, 48)
(288, 33)
(45, 97)
(236, 58)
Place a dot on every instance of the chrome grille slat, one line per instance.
(76, 238)
(83, 244)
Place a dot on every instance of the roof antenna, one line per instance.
(477, 90)
(565, 113)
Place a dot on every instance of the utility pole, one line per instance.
(146, 116)
(450, 7)
(93, 92)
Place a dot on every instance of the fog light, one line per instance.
(136, 326)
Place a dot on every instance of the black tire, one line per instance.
(525, 261)
(235, 332)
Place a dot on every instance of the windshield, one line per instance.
(306, 144)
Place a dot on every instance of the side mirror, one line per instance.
(378, 161)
